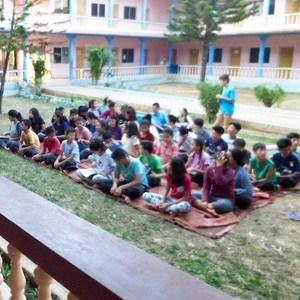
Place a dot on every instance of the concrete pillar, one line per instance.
(211, 55)
(72, 51)
(170, 55)
(110, 13)
(266, 7)
(142, 55)
(172, 3)
(73, 11)
(110, 46)
(144, 13)
(261, 56)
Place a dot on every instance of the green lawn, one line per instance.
(259, 259)
(244, 96)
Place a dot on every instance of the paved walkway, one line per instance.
(253, 117)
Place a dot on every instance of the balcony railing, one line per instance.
(90, 262)
(191, 70)
(13, 75)
(258, 24)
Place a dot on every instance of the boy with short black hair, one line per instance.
(91, 123)
(215, 143)
(73, 117)
(227, 102)
(29, 143)
(51, 148)
(295, 139)
(152, 163)
(102, 164)
(68, 158)
(173, 123)
(286, 163)
(264, 176)
(240, 144)
(109, 141)
(135, 181)
(200, 132)
(159, 118)
(185, 139)
(232, 131)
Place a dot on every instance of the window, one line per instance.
(218, 55)
(61, 6)
(129, 13)
(254, 55)
(98, 10)
(61, 55)
(127, 55)
(272, 7)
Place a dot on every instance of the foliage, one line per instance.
(208, 99)
(201, 20)
(18, 37)
(39, 70)
(98, 58)
(269, 96)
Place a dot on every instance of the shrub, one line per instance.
(39, 70)
(208, 99)
(269, 96)
(98, 58)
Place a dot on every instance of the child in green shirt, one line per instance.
(152, 162)
(264, 175)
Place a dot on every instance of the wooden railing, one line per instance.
(90, 262)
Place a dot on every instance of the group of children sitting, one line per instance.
(210, 171)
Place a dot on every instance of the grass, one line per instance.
(259, 259)
(244, 96)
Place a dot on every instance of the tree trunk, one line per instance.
(205, 48)
(5, 67)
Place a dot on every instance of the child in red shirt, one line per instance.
(51, 148)
(178, 194)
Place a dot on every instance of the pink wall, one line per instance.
(159, 11)
(157, 52)
(183, 51)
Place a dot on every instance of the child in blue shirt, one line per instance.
(69, 157)
(286, 164)
(227, 102)
(215, 143)
(133, 172)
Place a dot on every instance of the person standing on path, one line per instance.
(227, 102)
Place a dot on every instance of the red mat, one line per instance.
(197, 220)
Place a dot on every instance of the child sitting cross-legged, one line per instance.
(92, 121)
(145, 134)
(115, 128)
(82, 134)
(173, 124)
(152, 162)
(197, 162)
(215, 144)
(133, 172)
(102, 164)
(29, 144)
(177, 196)
(243, 188)
(286, 164)
(167, 148)
(263, 169)
(200, 132)
(68, 158)
(217, 196)
(51, 148)
(185, 139)
(232, 131)
(295, 139)
(240, 144)
(73, 116)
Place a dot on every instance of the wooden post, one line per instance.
(44, 282)
(1, 280)
(72, 297)
(17, 279)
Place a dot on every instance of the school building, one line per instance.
(265, 45)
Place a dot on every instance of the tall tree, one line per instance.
(201, 20)
(17, 33)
